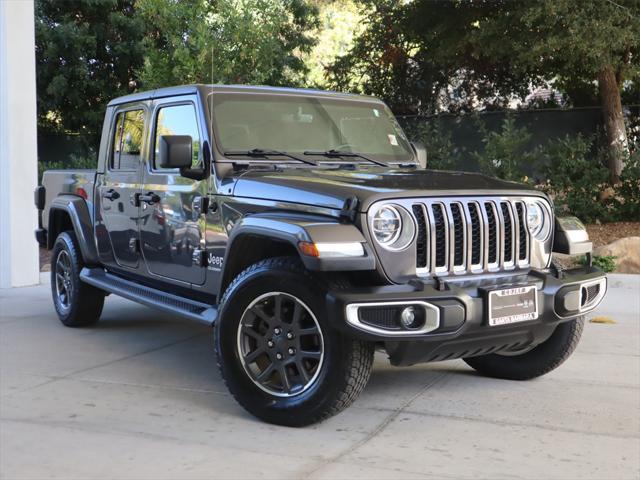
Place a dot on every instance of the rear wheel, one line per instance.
(77, 304)
(276, 351)
(532, 362)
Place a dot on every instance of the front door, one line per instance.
(171, 224)
(117, 189)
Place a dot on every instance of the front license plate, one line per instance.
(513, 305)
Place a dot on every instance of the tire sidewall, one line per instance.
(66, 242)
(252, 285)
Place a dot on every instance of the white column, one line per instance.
(19, 264)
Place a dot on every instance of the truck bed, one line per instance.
(74, 182)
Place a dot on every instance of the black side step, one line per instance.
(149, 296)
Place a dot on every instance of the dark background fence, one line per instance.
(466, 132)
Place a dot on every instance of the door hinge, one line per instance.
(134, 245)
(199, 257)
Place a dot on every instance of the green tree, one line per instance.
(87, 52)
(226, 41)
(462, 54)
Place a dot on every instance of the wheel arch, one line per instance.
(258, 237)
(70, 212)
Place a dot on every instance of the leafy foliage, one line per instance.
(460, 55)
(606, 263)
(505, 153)
(87, 52)
(442, 154)
(226, 41)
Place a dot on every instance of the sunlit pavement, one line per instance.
(139, 396)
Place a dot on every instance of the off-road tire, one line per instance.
(539, 361)
(85, 302)
(347, 363)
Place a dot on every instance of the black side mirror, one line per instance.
(421, 153)
(175, 151)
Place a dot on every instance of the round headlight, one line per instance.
(392, 227)
(537, 220)
(387, 225)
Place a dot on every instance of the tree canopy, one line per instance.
(87, 52)
(90, 51)
(425, 56)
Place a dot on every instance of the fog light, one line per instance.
(412, 318)
(407, 317)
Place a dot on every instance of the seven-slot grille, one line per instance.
(457, 236)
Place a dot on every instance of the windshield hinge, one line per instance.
(349, 210)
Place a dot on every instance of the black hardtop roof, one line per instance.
(206, 89)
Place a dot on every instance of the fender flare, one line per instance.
(78, 211)
(295, 229)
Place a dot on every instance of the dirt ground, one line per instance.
(606, 233)
(599, 234)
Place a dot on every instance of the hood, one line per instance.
(331, 187)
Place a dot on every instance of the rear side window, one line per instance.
(178, 120)
(127, 140)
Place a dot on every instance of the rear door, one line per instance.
(172, 226)
(117, 209)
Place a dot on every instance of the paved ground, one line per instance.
(138, 397)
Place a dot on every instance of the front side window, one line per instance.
(299, 123)
(127, 140)
(179, 120)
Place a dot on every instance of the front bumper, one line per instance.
(462, 329)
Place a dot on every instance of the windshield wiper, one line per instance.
(258, 152)
(339, 154)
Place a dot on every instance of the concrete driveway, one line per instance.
(138, 396)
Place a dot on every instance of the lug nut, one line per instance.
(277, 331)
(290, 335)
(279, 356)
(270, 343)
(291, 350)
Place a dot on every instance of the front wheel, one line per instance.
(533, 362)
(276, 352)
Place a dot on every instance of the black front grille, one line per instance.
(508, 233)
(476, 234)
(441, 235)
(458, 230)
(493, 233)
(456, 235)
(421, 243)
(522, 253)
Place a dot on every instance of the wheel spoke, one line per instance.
(284, 378)
(260, 313)
(278, 308)
(247, 330)
(253, 356)
(302, 370)
(308, 331)
(266, 373)
(297, 314)
(311, 355)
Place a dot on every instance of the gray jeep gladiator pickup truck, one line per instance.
(305, 228)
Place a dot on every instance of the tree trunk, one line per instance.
(616, 135)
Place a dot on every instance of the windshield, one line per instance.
(297, 124)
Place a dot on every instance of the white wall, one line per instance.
(18, 150)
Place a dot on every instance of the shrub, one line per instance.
(573, 179)
(606, 263)
(442, 154)
(506, 154)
